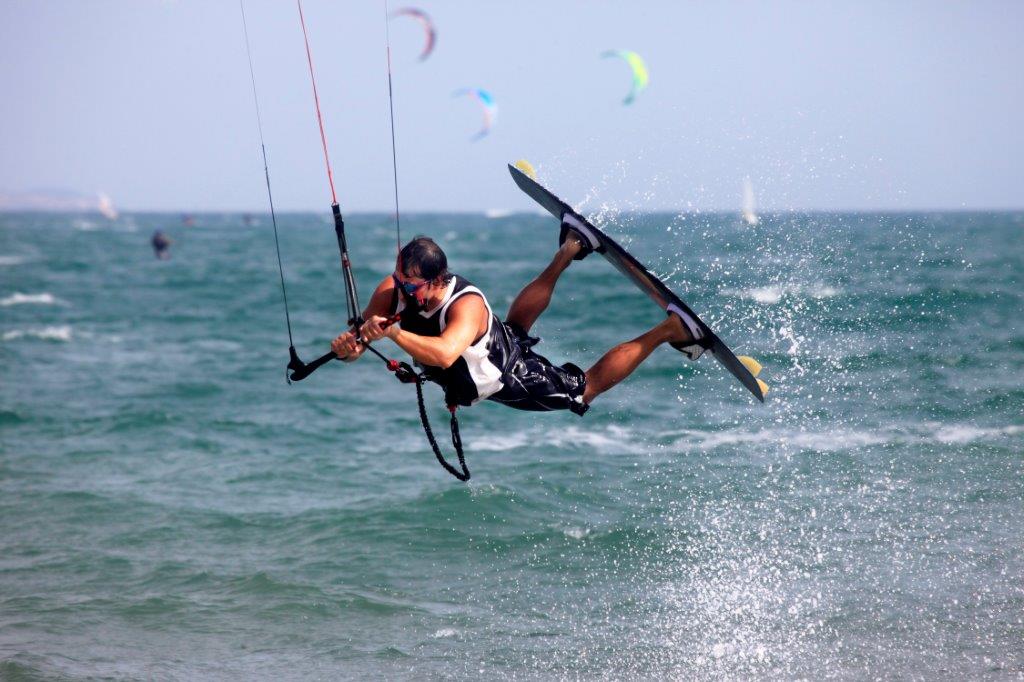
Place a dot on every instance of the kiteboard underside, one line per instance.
(629, 266)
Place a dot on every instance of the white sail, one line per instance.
(106, 207)
(749, 216)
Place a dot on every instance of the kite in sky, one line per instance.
(487, 103)
(425, 22)
(639, 69)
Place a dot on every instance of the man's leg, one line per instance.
(619, 362)
(535, 296)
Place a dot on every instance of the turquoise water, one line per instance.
(171, 509)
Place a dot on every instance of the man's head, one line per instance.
(422, 266)
(423, 258)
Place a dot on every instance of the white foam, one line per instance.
(445, 632)
(767, 295)
(18, 298)
(576, 533)
(822, 291)
(507, 441)
(611, 438)
(495, 213)
(11, 260)
(964, 433)
(59, 333)
(774, 293)
(720, 649)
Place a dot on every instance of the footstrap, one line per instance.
(695, 347)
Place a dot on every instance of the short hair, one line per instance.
(423, 258)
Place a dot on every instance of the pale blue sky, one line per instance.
(825, 105)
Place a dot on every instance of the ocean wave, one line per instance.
(842, 439)
(498, 443)
(18, 298)
(804, 440)
(617, 439)
(225, 346)
(11, 260)
(264, 585)
(24, 666)
(612, 438)
(9, 417)
(57, 333)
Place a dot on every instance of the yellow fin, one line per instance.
(524, 165)
(752, 365)
(763, 386)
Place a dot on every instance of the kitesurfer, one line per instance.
(446, 324)
(161, 245)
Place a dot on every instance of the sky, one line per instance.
(823, 105)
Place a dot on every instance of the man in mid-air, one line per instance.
(448, 327)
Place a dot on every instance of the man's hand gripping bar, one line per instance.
(300, 370)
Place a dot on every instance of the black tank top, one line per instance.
(479, 371)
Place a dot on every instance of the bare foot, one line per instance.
(675, 330)
(572, 245)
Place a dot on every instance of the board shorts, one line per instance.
(532, 382)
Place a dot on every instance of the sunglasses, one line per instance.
(408, 287)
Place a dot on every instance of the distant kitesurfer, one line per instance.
(448, 327)
(161, 245)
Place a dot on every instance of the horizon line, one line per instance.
(510, 212)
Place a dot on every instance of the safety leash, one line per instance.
(407, 375)
(456, 437)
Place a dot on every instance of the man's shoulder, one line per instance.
(471, 298)
(468, 302)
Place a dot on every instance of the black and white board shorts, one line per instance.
(534, 383)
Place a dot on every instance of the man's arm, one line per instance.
(467, 320)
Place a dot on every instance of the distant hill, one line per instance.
(57, 200)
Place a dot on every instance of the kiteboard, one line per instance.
(743, 368)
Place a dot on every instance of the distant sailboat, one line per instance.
(749, 217)
(106, 207)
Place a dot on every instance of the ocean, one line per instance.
(172, 509)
